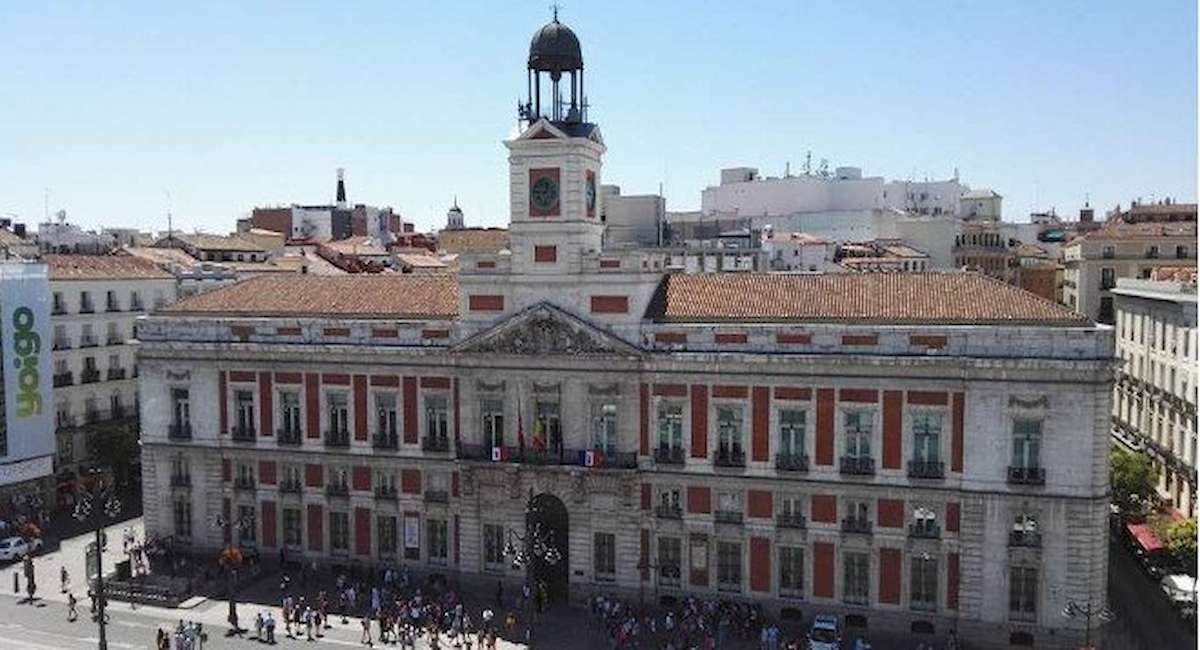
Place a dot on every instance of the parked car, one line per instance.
(824, 633)
(14, 548)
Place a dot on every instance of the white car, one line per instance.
(824, 634)
(15, 548)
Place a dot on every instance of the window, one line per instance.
(180, 469)
(729, 433)
(290, 477)
(245, 474)
(289, 408)
(606, 556)
(791, 571)
(493, 546)
(670, 501)
(385, 483)
(291, 528)
(437, 426)
(791, 510)
(66, 447)
(339, 478)
(1108, 278)
(858, 510)
(182, 513)
(1022, 593)
(385, 417)
(791, 431)
(60, 338)
(338, 416)
(135, 301)
(927, 433)
(924, 523)
(339, 532)
(437, 540)
(1027, 443)
(1152, 252)
(1106, 310)
(670, 559)
(730, 503)
(1025, 530)
(438, 485)
(111, 302)
(85, 303)
(923, 586)
(244, 411)
(1108, 253)
(88, 338)
(492, 412)
(546, 425)
(729, 566)
(1180, 252)
(60, 306)
(857, 429)
(246, 529)
(385, 527)
(856, 578)
(670, 425)
(604, 428)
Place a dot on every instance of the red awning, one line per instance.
(1145, 537)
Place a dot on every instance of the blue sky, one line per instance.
(122, 109)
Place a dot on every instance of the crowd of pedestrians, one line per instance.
(693, 623)
(186, 636)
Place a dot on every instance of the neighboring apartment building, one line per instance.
(983, 247)
(1094, 262)
(1154, 402)
(916, 450)
(95, 302)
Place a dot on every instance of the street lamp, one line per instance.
(1088, 610)
(94, 504)
(231, 558)
(536, 544)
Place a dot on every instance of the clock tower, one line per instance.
(554, 164)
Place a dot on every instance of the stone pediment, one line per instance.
(544, 329)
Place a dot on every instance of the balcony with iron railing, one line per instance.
(115, 374)
(926, 469)
(790, 520)
(114, 339)
(112, 305)
(386, 441)
(435, 443)
(387, 492)
(727, 516)
(791, 462)
(733, 456)
(243, 433)
(337, 439)
(928, 530)
(88, 341)
(668, 511)
(63, 379)
(669, 455)
(291, 486)
(337, 490)
(437, 496)
(856, 525)
(179, 431)
(59, 309)
(668, 575)
(1025, 538)
(1018, 475)
(181, 480)
(857, 465)
(62, 343)
(563, 457)
(86, 307)
(288, 437)
(89, 376)
(243, 483)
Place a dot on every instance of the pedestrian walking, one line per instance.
(63, 578)
(71, 613)
(270, 628)
(308, 623)
(366, 631)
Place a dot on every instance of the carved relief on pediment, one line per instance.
(546, 330)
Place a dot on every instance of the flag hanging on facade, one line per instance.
(520, 429)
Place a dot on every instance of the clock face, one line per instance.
(591, 194)
(544, 194)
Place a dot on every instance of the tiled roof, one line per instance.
(1136, 231)
(207, 242)
(472, 240)
(420, 261)
(162, 256)
(354, 246)
(950, 298)
(359, 296)
(103, 267)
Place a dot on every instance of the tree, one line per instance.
(1133, 477)
(1181, 540)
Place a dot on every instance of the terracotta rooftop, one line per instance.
(358, 296)
(103, 267)
(1138, 231)
(472, 240)
(164, 257)
(950, 298)
(354, 246)
(208, 242)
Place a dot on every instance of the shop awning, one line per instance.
(1145, 537)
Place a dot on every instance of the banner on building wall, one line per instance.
(27, 438)
(412, 532)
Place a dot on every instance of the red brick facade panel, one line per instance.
(362, 532)
(699, 421)
(699, 500)
(760, 504)
(889, 576)
(335, 379)
(860, 339)
(385, 380)
(932, 342)
(952, 581)
(485, 303)
(336, 331)
(893, 429)
(671, 390)
(266, 472)
(891, 513)
(760, 444)
(223, 402)
(287, 331)
(545, 254)
(316, 527)
(823, 570)
(952, 517)
(730, 392)
(360, 407)
(793, 393)
(266, 401)
(730, 338)
(610, 304)
(670, 337)
(435, 382)
(956, 436)
(824, 442)
(410, 410)
(242, 376)
(289, 378)
(644, 554)
(859, 395)
(610, 264)
(928, 398)
(760, 564)
(268, 523)
(431, 334)
(226, 470)
(644, 419)
(312, 404)
(410, 481)
(360, 478)
(645, 496)
(783, 338)
(385, 333)
(314, 475)
(824, 508)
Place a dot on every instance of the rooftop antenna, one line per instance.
(808, 163)
(555, 7)
(1087, 199)
(787, 169)
(170, 224)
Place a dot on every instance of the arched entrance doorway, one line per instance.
(547, 535)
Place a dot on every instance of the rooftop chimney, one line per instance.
(1086, 214)
(341, 188)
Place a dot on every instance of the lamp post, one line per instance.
(1087, 611)
(94, 504)
(231, 558)
(536, 545)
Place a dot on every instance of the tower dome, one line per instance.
(555, 49)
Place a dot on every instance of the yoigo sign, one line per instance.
(25, 327)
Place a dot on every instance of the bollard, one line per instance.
(16, 582)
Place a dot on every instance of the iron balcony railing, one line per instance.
(530, 456)
(59, 309)
(112, 305)
(858, 465)
(243, 483)
(337, 439)
(672, 455)
(63, 379)
(925, 531)
(179, 431)
(791, 462)
(181, 480)
(926, 469)
(337, 490)
(288, 437)
(437, 496)
(1018, 475)
(729, 457)
(790, 520)
(387, 492)
(88, 341)
(87, 308)
(435, 443)
(243, 434)
(668, 575)
(62, 344)
(727, 516)
(89, 376)
(1025, 538)
(386, 441)
(668, 511)
(290, 486)
(116, 374)
(857, 525)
